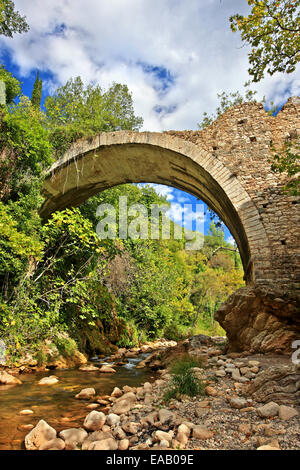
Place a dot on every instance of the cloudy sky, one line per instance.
(174, 55)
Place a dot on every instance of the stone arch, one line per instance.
(92, 165)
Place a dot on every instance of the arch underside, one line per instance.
(84, 175)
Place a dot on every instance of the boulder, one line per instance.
(117, 393)
(112, 419)
(94, 421)
(269, 410)
(161, 436)
(51, 380)
(107, 370)
(121, 407)
(85, 394)
(105, 444)
(54, 444)
(73, 437)
(123, 444)
(7, 379)
(95, 436)
(280, 384)
(166, 416)
(39, 436)
(286, 412)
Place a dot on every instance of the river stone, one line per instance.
(201, 432)
(166, 416)
(119, 433)
(94, 421)
(267, 447)
(123, 444)
(26, 412)
(105, 444)
(39, 436)
(113, 419)
(183, 428)
(121, 407)
(161, 436)
(182, 438)
(286, 412)
(117, 393)
(86, 394)
(89, 368)
(7, 379)
(269, 410)
(54, 444)
(51, 380)
(107, 370)
(131, 427)
(237, 402)
(73, 437)
(95, 436)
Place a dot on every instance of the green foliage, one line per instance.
(288, 160)
(184, 380)
(12, 85)
(272, 30)
(76, 110)
(66, 346)
(10, 20)
(36, 96)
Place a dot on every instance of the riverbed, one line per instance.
(56, 403)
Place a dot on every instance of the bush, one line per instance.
(65, 345)
(184, 381)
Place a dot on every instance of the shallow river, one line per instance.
(56, 403)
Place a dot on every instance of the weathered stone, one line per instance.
(123, 444)
(48, 380)
(54, 444)
(280, 384)
(105, 444)
(269, 410)
(7, 379)
(161, 435)
(86, 394)
(89, 368)
(94, 421)
(286, 412)
(95, 436)
(121, 407)
(117, 393)
(201, 432)
(107, 369)
(166, 416)
(39, 436)
(73, 437)
(237, 402)
(112, 419)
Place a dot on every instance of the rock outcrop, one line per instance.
(257, 320)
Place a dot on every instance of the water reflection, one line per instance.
(56, 403)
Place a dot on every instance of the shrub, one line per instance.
(184, 381)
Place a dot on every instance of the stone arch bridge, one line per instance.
(227, 166)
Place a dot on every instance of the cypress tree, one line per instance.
(36, 96)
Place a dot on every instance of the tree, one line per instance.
(36, 96)
(10, 20)
(287, 160)
(272, 30)
(76, 110)
(12, 85)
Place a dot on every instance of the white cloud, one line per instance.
(114, 40)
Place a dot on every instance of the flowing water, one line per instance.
(56, 403)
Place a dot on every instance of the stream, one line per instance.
(56, 403)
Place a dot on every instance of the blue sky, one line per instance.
(174, 55)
